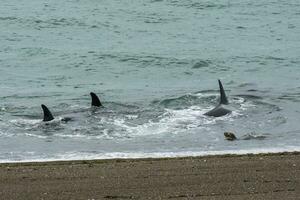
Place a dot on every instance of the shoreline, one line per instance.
(251, 176)
(142, 156)
(104, 160)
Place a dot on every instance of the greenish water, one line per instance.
(154, 65)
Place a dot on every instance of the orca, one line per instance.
(220, 109)
(49, 117)
(47, 114)
(95, 100)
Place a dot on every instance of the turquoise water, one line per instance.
(154, 65)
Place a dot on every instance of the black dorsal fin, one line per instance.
(95, 100)
(47, 114)
(223, 98)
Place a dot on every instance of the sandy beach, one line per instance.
(263, 176)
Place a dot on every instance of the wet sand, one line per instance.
(264, 176)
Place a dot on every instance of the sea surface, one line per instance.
(155, 66)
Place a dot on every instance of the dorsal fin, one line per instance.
(47, 114)
(223, 98)
(95, 100)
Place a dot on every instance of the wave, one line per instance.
(177, 115)
(72, 156)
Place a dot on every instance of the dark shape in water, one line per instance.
(47, 114)
(220, 110)
(95, 100)
(229, 136)
(49, 117)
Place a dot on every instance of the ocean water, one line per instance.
(155, 66)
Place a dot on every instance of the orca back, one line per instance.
(220, 110)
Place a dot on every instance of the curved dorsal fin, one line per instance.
(223, 98)
(47, 114)
(95, 100)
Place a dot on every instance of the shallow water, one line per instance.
(155, 66)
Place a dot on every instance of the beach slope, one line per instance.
(263, 176)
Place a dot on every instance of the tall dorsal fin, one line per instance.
(223, 98)
(47, 114)
(95, 100)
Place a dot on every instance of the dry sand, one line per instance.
(265, 176)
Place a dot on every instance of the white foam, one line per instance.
(171, 121)
(203, 94)
(25, 121)
(136, 155)
(36, 136)
(246, 105)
